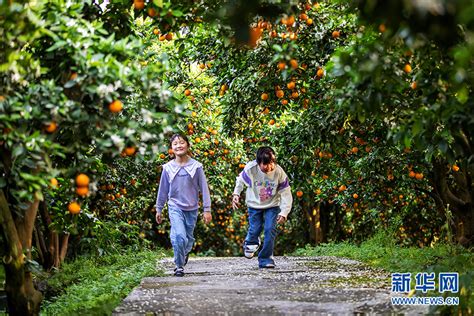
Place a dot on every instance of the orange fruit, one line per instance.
(309, 21)
(280, 94)
(412, 174)
(336, 34)
(354, 150)
(187, 92)
(53, 183)
(295, 94)
(419, 176)
(342, 188)
(162, 156)
(255, 33)
(197, 140)
(82, 191)
(156, 31)
(355, 196)
(170, 151)
(320, 72)
(169, 36)
(138, 4)
(74, 208)
(51, 127)
(291, 85)
(129, 151)
(455, 168)
(266, 110)
(264, 96)
(162, 37)
(407, 68)
(281, 65)
(303, 16)
(73, 76)
(294, 63)
(414, 85)
(202, 66)
(82, 180)
(152, 12)
(284, 101)
(299, 193)
(116, 106)
(382, 28)
(271, 122)
(290, 21)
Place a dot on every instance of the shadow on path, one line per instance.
(236, 286)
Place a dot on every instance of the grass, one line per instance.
(2, 274)
(381, 252)
(95, 286)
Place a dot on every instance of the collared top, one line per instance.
(180, 186)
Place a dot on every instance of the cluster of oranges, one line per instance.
(82, 189)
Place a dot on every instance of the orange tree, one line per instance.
(73, 95)
(419, 81)
(319, 61)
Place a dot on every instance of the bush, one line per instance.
(96, 285)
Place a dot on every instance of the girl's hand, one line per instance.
(235, 201)
(158, 217)
(207, 216)
(281, 219)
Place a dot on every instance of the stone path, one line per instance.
(235, 286)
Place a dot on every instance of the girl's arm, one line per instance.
(163, 191)
(204, 188)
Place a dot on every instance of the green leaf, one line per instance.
(18, 151)
(177, 13)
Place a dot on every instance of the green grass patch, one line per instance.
(381, 252)
(2, 275)
(95, 286)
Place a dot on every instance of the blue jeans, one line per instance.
(266, 219)
(181, 235)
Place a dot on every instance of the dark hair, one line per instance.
(177, 135)
(265, 155)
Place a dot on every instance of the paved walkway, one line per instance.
(235, 286)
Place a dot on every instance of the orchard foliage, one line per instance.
(370, 115)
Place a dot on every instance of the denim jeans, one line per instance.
(266, 219)
(182, 230)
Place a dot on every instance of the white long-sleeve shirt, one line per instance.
(265, 190)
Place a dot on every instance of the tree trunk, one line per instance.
(457, 194)
(55, 246)
(22, 297)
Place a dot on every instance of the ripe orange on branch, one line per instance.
(138, 4)
(116, 106)
(74, 208)
(51, 127)
(407, 68)
(53, 183)
(299, 193)
(129, 151)
(82, 180)
(82, 191)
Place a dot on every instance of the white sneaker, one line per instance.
(250, 250)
